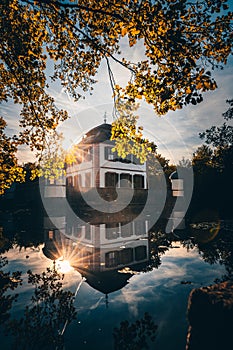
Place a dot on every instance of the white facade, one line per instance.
(98, 247)
(98, 166)
(107, 233)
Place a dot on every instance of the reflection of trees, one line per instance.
(8, 281)
(219, 250)
(189, 244)
(135, 336)
(5, 244)
(159, 243)
(26, 229)
(51, 308)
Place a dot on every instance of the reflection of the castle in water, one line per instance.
(97, 217)
(104, 254)
(98, 242)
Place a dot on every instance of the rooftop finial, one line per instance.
(106, 301)
(105, 117)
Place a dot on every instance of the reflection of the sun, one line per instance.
(63, 266)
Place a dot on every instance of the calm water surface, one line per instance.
(158, 283)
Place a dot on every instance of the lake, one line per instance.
(124, 282)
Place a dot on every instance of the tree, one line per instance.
(181, 40)
(159, 165)
(10, 171)
(202, 159)
(185, 163)
(127, 136)
(229, 113)
(213, 168)
(221, 138)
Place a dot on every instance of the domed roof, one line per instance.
(50, 251)
(107, 281)
(98, 134)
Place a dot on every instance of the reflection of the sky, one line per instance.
(159, 292)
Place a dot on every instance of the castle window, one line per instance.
(111, 179)
(87, 154)
(69, 181)
(77, 231)
(108, 154)
(138, 181)
(51, 235)
(87, 231)
(112, 259)
(76, 184)
(140, 253)
(88, 180)
(126, 256)
(126, 180)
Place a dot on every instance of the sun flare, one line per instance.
(64, 266)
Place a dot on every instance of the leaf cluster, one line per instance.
(10, 171)
(127, 135)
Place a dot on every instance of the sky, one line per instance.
(176, 134)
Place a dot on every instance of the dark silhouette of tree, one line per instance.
(185, 163)
(8, 281)
(221, 138)
(213, 169)
(202, 159)
(135, 336)
(159, 165)
(51, 309)
(229, 113)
